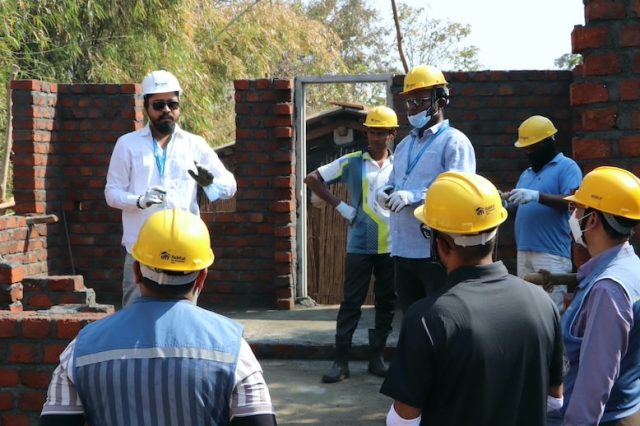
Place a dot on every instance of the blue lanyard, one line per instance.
(161, 158)
(411, 164)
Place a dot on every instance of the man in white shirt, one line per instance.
(160, 166)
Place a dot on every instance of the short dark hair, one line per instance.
(169, 291)
(622, 221)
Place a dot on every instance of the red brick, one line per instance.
(284, 231)
(33, 85)
(629, 90)
(35, 379)
(602, 64)
(284, 132)
(587, 93)
(14, 419)
(589, 149)
(65, 283)
(599, 119)
(263, 83)
(10, 274)
(285, 304)
(38, 301)
(604, 9)
(241, 84)
(6, 404)
(21, 353)
(280, 84)
(36, 328)
(284, 109)
(588, 37)
(635, 120)
(283, 206)
(8, 327)
(31, 401)
(8, 377)
(630, 146)
(283, 257)
(630, 35)
(52, 353)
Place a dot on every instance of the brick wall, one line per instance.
(488, 106)
(605, 93)
(31, 344)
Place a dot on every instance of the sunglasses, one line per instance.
(159, 105)
(418, 102)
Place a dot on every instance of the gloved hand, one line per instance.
(346, 211)
(204, 176)
(382, 195)
(154, 195)
(399, 200)
(523, 196)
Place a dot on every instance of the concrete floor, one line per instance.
(301, 399)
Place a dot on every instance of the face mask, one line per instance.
(576, 229)
(419, 120)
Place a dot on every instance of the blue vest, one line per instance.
(157, 363)
(623, 267)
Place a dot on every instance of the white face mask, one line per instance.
(576, 231)
(419, 120)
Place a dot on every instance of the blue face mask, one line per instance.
(419, 120)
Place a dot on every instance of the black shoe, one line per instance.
(338, 372)
(377, 343)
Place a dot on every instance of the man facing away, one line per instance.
(368, 246)
(432, 147)
(162, 360)
(601, 327)
(151, 168)
(542, 231)
(487, 349)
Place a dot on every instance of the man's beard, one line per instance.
(164, 127)
(543, 155)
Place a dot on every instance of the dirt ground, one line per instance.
(301, 399)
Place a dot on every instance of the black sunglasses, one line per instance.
(159, 105)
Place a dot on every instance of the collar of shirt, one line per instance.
(367, 157)
(495, 270)
(430, 131)
(590, 264)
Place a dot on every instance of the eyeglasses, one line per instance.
(159, 105)
(573, 206)
(418, 102)
(426, 231)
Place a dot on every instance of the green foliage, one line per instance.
(568, 61)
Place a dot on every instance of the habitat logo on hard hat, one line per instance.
(480, 211)
(168, 257)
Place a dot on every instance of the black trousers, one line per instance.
(416, 278)
(358, 270)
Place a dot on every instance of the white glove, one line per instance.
(154, 195)
(523, 196)
(382, 195)
(399, 200)
(346, 211)
(554, 403)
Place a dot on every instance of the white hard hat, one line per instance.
(160, 82)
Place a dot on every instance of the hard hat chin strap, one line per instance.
(481, 239)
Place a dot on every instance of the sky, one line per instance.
(511, 34)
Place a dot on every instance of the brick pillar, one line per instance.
(605, 94)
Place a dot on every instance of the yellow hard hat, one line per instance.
(423, 77)
(174, 240)
(610, 190)
(381, 116)
(533, 130)
(461, 203)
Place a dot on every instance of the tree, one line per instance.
(568, 61)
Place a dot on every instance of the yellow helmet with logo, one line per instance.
(174, 240)
(461, 203)
(423, 77)
(381, 116)
(533, 130)
(610, 190)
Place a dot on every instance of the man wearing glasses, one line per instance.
(160, 166)
(601, 327)
(432, 147)
(542, 232)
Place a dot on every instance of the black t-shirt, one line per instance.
(483, 352)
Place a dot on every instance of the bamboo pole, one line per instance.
(8, 146)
